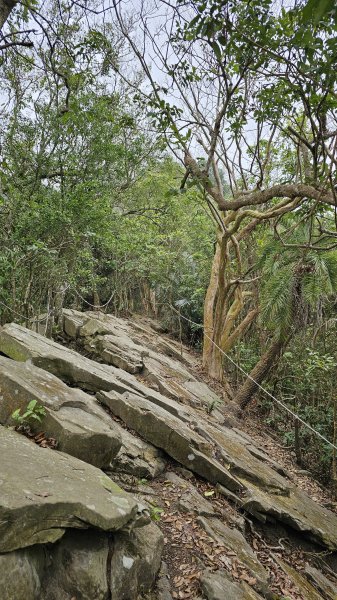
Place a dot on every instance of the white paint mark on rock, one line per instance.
(191, 457)
(121, 502)
(127, 562)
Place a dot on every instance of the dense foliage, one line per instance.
(90, 201)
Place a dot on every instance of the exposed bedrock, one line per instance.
(68, 531)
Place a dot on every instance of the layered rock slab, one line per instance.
(167, 432)
(237, 452)
(117, 351)
(235, 541)
(326, 586)
(78, 567)
(135, 562)
(21, 344)
(121, 344)
(75, 323)
(218, 586)
(188, 499)
(137, 457)
(89, 565)
(306, 589)
(274, 497)
(296, 510)
(75, 419)
(44, 492)
(107, 337)
(271, 496)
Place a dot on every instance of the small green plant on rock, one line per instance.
(212, 405)
(155, 513)
(34, 411)
(142, 481)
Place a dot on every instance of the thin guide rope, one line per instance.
(256, 383)
(94, 305)
(286, 408)
(30, 320)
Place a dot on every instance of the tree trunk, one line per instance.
(209, 309)
(223, 307)
(239, 331)
(298, 450)
(59, 298)
(259, 373)
(334, 457)
(6, 6)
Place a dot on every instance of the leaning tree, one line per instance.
(245, 94)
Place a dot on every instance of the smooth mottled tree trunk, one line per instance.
(209, 310)
(259, 373)
(224, 321)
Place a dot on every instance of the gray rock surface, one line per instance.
(21, 572)
(259, 453)
(72, 320)
(203, 393)
(44, 492)
(188, 499)
(169, 376)
(78, 567)
(236, 452)
(106, 337)
(94, 565)
(81, 427)
(233, 540)
(121, 344)
(296, 510)
(217, 586)
(76, 323)
(190, 436)
(302, 584)
(115, 350)
(135, 562)
(163, 591)
(327, 587)
(137, 457)
(22, 344)
(165, 431)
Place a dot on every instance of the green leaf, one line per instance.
(31, 405)
(217, 50)
(16, 415)
(315, 10)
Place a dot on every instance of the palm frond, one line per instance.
(276, 299)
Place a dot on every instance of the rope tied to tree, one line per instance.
(284, 406)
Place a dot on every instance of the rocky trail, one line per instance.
(141, 482)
